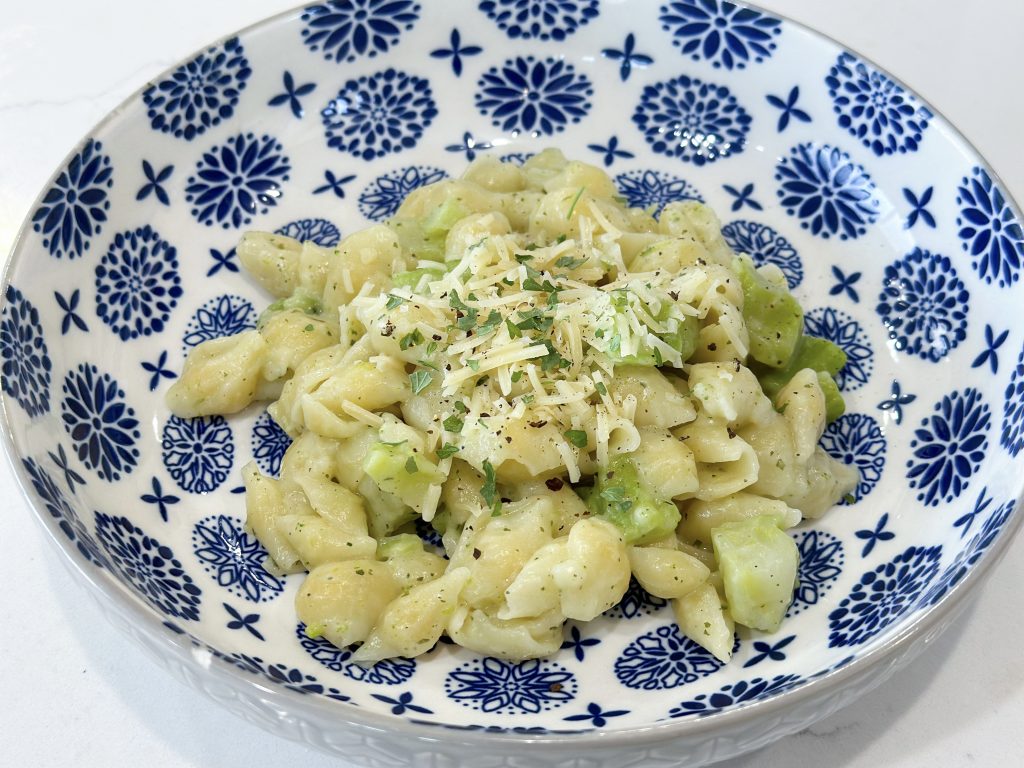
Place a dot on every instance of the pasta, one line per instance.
(570, 392)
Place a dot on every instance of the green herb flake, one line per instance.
(514, 331)
(516, 376)
(601, 388)
(474, 365)
(420, 380)
(493, 321)
(410, 465)
(460, 407)
(447, 450)
(394, 301)
(577, 437)
(569, 262)
(574, 202)
(410, 340)
(489, 490)
(453, 424)
(308, 328)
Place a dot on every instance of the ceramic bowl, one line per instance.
(894, 234)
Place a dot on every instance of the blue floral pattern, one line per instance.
(234, 558)
(1012, 435)
(221, 316)
(730, 695)
(882, 596)
(506, 688)
(991, 233)
(292, 678)
(845, 332)
(691, 120)
(878, 112)
(319, 231)
(664, 658)
(856, 439)
(137, 283)
(198, 453)
(949, 447)
(75, 208)
(535, 97)
(636, 602)
(101, 424)
(765, 246)
(238, 180)
(62, 511)
(269, 442)
(383, 195)
(540, 19)
(385, 672)
(821, 563)
(200, 93)
(653, 190)
(379, 114)
(347, 29)
(723, 33)
(830, 193)
(149, 566)
(26, 362)
(924, 305)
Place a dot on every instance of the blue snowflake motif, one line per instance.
(856, 439)
(821, 563)
(734, 694)
(765, 246)
(654, 189)
(25, 359)
(966, 520)
(222, 316)
(75, 207)
(878, 112)
(538, 98)
(319, 231)
(62, 511)
(269, 442)
(382, 196)
(198, 453)
(379, 114)
(827, 191)
(635, 603)
(949, 447)
(1012, 436)
(137, 283)
(200, 93)
(578, 643)
(882, 596)
(402, 704)
(149, 566)
(346, 29)
(69, 306)
(876, 535)
(924, 305)
(663, 659)
(990, 232)
(393, 671)
(691, 120)
(771, 651)
(540, 19)
(236, 181)
(246, 622)
(234, 558)
(456, 52)
(101, 424)
(504, 687)
(845, 332)
(721, 32)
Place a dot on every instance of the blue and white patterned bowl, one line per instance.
(891, 230)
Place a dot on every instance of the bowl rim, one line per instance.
(104, 586)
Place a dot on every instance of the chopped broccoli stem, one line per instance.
(619, 498)
(774, 318)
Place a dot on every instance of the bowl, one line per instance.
(896, 237)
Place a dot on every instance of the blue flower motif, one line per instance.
(765, 246)
(827, 191)
(726, 34)
(919, 209)
(788, 108)
(578, 643)
(236, 181)
(597, 716)
(730, 695)
(1012, 435)
(469, 146)
(198, 453)
(654, 189)
(503, 687)
(75, 207)
(26, 362)
(402, 703)
(896, 401)
(990, 232)
(924, 305)
(875, 535)
(234, 558)
(154, 183)
(345, 29)
(456, 52)
(379, 114)
(857, 439)
(160, 499)
(101, 424)
(319, 231)
(245, 622)
(225, 261)
(743, 197)
(291, 95)
(149, 566)
(966, 520)
(385, 672)
(69, 307)
(845, 283)
(292, 678)
(335, 184)
(990, 354)
(611, 151)
(221, 316)
(137, 283)
(694, 121)
(821, 563)
(540, 19)
(662, 659)
(627, 57)
(71, 477)
(534, 97)
(269, 442)
(62, 511)
(200, 93)
(949, 447)
(845, 332)
(382, 196)
(769, 651)
(635, 603)
(882, 596)
(159, 371)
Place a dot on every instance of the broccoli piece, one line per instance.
(683, 338)
(301, 300)
(412, 278)
(819, 355)
(774, 318)
(619, 498)
(397, 469)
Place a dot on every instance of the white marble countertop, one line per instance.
(75, 691)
